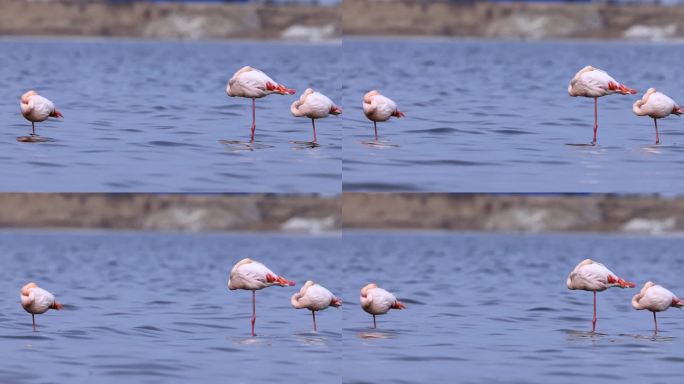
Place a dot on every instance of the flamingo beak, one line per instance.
(335, 110)
(284, 281)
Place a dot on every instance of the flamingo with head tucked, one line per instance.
(252, 83)
(592, 276)
(378, 301)
(36, 108)
(593, 82)
(656, 105)
(655, 298)
(36, 300)
(252, 275)
(377, 108)
(314, 105)
(314, 297)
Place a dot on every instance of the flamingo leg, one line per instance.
(33, 128)
(374, 324)
(313, 314)
(595, 119)
(253, 311)
(657, 141)
(655, 322)
(253, 119)
(593, 321)
(375, 125)
(313, 123)
(33, 317)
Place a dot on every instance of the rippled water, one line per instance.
(148, 116)
(495, 308)
(155, 308)
(495, 116)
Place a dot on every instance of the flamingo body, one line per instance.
(655, 298)
(36, 108)
(589, 275)
(36, 300)
(594, 82)
(252, 83)
(378, 301)
(252, 275)
(379, 108)
(314, 105)
(314, 297)
(656, 105)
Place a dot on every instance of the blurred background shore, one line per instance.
(645, 214)
(185, 20)
(642, 214)
(535, 20)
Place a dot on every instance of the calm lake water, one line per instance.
(155, 308)
(148, 116)
(486, 116)
(495, 308)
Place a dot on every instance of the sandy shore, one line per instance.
(514, 213)
(512, 20)
(169, 20)
(194, 213)
(313, 214)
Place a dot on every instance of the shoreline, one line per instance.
(174, 21)
(513, 20)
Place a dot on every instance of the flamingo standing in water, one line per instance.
(592, 276)
(314, 105)
(252, 275)
(656, 299)
(377, 301)
(377, 107)
(656, 105)
(252, 83)
(314, 297)
(36, 301)
(593, 82)
(35, 108)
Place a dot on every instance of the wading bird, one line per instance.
(251, 83)
(377, 108)
(252, 275)
(314, 105)
(593, 82)
(377, 301)
(36, 301)
(592, 276)
(35, 108)
(314, 297)
(656, 105)
(656, 299)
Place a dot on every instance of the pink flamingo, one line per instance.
(377, 107)
(35, 108)
(36, 301)
(656, 299)
(378, 301)
(593, 82)
(252, 83)
(592, 276)
(314, 297)
(656, 105)
(314, 105)
(252, 275)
